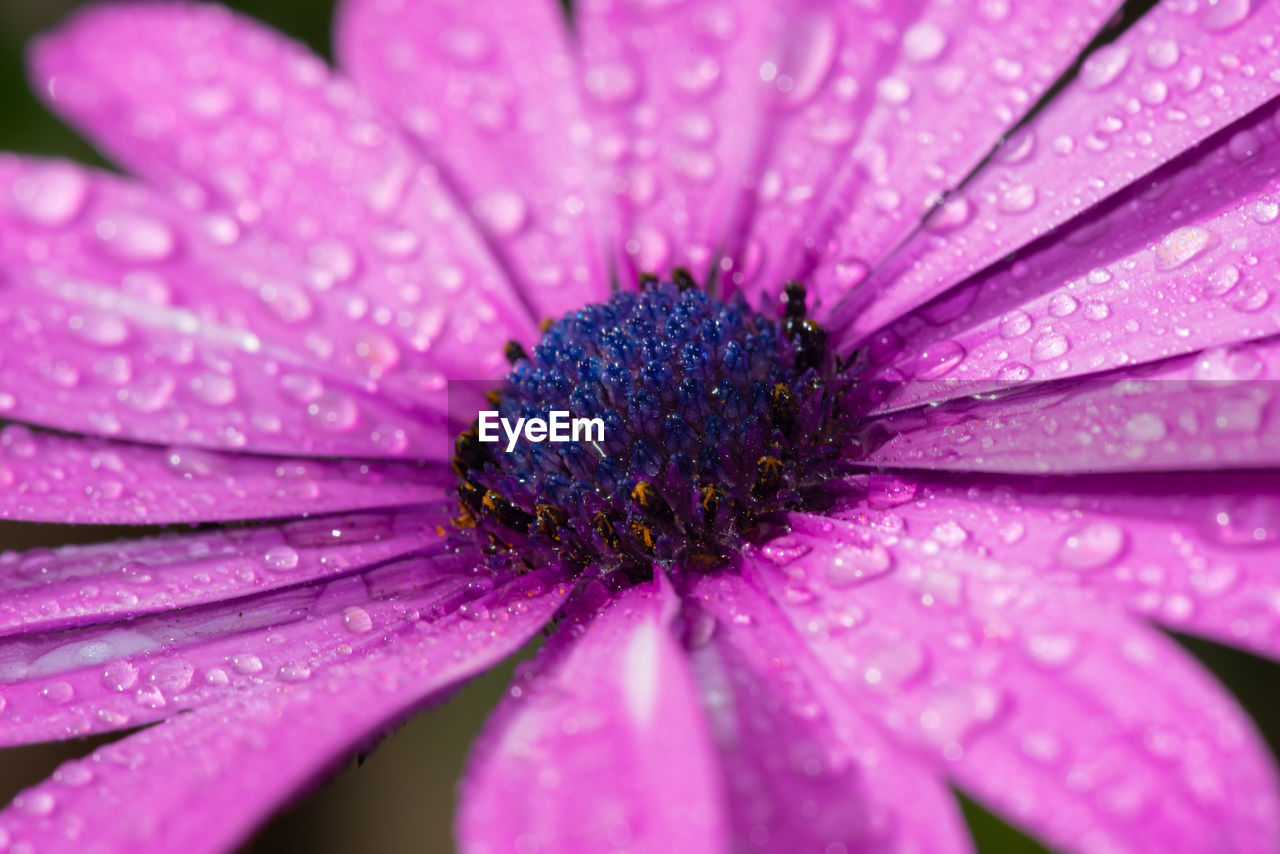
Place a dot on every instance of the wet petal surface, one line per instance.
(1194, 552)
(50, 478)
(1181, 261)
(490, 92)
(49, 589)
(1209, 410)
(241, 760)
(252, 128)
(1173, 79)
(875, 149)
(604, 745)
(1090, 729)
(805, 770)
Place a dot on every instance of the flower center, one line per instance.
(688, 422)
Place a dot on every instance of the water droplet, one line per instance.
(1093, 546)
(1015, 324)
(246, 663)
(58, 693)
(938, 360)
(1146, 427)
(1104, 66)
(1014, 372)
(214, 389)
(1162, 53)
(172, 677)
(1244, 146)
(357, 620)
(293, 671)
(611, 83)
(1051, 345)
(857, 562)
(334, 411)
(1181, 245)
(280, 558)
(51, 195)
(1062, 304)
(1225, 14)
(119, 675)
(503, 211)
(1222, 280)
(1018, 199)
(131, 237)
(1052, 650)
(923, 42)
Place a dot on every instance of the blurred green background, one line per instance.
(401, 799)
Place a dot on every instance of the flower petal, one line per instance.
(489, 90)
(50, 478)
(110, 676)
(1180, 262)
(1043, 701)
(254, 128)
(806, 771)
(955, 78)
(1204, 411)
(122, 317)
(49, 590)
(202, 781)
(677, 99)
(1195, 552)
(1170, 81)
(579, 757)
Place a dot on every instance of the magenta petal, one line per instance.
(201, 782)
(676, 97)
(124, 674)
(1209, 410)
(956, 77)
(1172, 80)
(805, 770)
(604, 747)
(1046, 702)
(284, 156)
(51, 589)
(123, 317)
(1195, 552)
(51, 478)
(490, 92)
(1184, 261)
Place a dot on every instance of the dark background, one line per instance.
(401, 798)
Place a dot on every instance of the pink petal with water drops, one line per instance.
(805, 771)
(676, 95)
(51, 478)
(1047, 703)
(489, 90)
(123, 317)
(1182, 261)
(815, 101)
(123, 674)
(203, 781)
(581, 756)
(1176, 77)
(253, 128)
(1209, 410)
(1196, 552)
(54, 589)
(958, 76)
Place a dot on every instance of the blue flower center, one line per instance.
(697, 419)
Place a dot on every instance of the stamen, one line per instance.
(714, 417)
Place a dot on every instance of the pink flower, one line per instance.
(921, 543)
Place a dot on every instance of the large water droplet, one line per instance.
(1093, 546)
